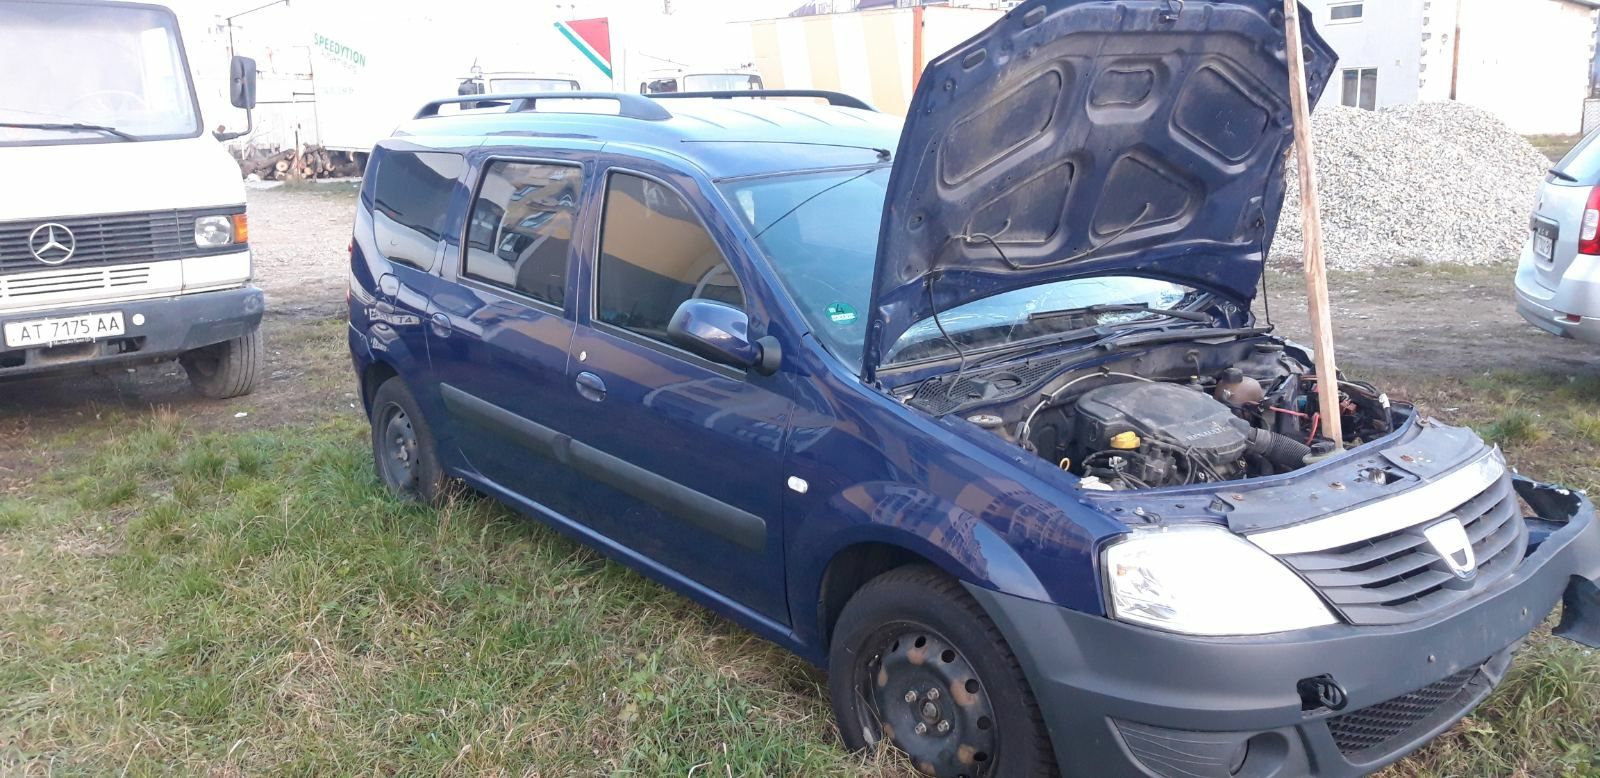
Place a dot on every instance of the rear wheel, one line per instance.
(916, 661)
(228, 369)
(402, 445)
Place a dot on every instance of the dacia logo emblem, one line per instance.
(1449, 540)
(52, 243)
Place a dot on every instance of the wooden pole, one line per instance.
(1311, 228)
(916, 45)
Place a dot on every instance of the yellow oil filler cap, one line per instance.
(1125, 440)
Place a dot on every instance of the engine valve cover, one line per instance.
(1166, 412)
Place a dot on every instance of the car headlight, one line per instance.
(221, 230)
(1205, 580)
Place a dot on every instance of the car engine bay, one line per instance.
(1176, 415)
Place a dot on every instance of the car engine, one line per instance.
(1140, 435)
(1202, 413)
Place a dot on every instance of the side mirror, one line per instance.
(721, 333)
(242, 83)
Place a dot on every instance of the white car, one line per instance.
(1558, 277)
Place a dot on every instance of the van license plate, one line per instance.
(73, 329)
(1542, 246)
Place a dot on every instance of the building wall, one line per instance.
(1526, 62)
(1385, 38)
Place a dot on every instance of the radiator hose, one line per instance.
(1282, 451)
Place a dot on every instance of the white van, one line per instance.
(123, 235)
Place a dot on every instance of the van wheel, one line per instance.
(916, 661)
(228, 369)
(402, 445)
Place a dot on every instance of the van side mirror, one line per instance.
(242, 93)
(721, 333)
(242, 83)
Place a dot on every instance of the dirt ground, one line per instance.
(299, 238)
(1422, 321)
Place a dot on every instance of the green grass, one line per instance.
(253, 601)
(195, 597)
(1554, 146)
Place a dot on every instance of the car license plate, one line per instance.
(73, 329)
(1544, 238)
(1543, 246)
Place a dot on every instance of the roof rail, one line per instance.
(839, 99)
(629, 105)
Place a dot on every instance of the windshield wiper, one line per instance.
(1168, 335)
(1120, 308)
(1564, 176)
(68, 126)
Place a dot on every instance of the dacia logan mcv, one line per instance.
(969, 409)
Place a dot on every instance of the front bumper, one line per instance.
(1122, 700)
(171, 326)
(1578, 296)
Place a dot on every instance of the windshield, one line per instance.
(720, 82)
(511, 86)
(108, 65)
(820, 232)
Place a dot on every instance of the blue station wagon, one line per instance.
(969, 409)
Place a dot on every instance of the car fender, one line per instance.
(908, 518)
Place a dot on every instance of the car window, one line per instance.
(519, 232)
(654, 255)
(1583, 161)
(410, 194)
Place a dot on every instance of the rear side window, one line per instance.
(654, 255)
(411, 192)
(519, 233)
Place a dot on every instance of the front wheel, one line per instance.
(916, 661)
(228, 369)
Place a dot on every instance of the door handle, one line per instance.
(440, 324)
(590, 386)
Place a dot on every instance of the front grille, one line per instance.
(1381, 726)
(84, 280)
(110, 239)
(1397, 578)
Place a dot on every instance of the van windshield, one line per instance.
(101, 65)
(819, 230)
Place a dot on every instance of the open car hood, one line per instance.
(1088, 137)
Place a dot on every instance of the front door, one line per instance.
(499, 337)
(683, 460)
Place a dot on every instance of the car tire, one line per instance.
(403, 452)
(911, 653)
(228, 369)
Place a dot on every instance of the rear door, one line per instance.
(499, 337)
(682, 458)
(400, 239)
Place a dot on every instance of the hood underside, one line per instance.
(1087, 137)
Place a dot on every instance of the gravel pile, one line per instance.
(1430, 182)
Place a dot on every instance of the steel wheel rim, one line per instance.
(397, 447)
(918, 690)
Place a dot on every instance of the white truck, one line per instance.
(123, 235)
(876, 55)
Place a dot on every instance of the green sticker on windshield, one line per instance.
(841, 313)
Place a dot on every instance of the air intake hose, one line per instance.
(1282, 451)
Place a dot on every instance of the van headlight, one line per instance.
(1205, 580)
(220, 230)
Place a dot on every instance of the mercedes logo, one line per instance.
(52, 243)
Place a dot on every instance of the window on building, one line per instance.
(520, 228)
(410, 194)
(654, 255)
(1360, 87)
(1346, 12)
